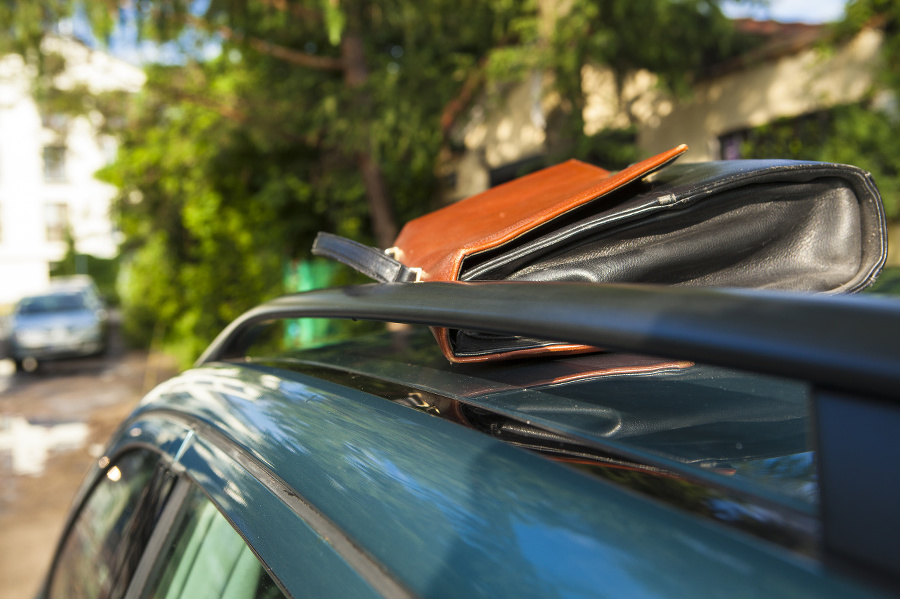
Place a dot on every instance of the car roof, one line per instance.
(74, 280)
(449, 511)
(68, 285)
(72, 283)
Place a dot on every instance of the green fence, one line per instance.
(302, 276)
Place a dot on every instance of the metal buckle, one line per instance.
(395, 253)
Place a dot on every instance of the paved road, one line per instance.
(53, 424)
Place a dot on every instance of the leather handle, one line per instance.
(370, 261)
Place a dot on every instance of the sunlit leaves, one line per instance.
(335, 20)
(884, 14)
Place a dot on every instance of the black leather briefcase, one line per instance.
(771, 224)
(767, 224)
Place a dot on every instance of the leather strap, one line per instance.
(370, 261)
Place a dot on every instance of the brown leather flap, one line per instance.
(438, 242)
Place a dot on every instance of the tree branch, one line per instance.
(381, 209)
(229, 112)
(461, 100)
(296, 10)
(232, 113)
(323, 63)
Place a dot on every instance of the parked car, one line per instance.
(68, 320)
(756, 457)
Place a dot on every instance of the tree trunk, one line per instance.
(384, 225)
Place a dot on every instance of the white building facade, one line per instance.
(47, 166)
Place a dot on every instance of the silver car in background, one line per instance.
(68, 320)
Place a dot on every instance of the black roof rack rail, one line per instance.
(844, 343)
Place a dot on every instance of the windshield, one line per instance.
(46, 304)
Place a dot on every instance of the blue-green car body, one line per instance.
(374, 468)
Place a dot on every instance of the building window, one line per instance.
(55, 121)
(109, 148)
(54, 164)
(730, 145)
(56, 217)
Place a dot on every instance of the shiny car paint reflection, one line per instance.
(450, 512)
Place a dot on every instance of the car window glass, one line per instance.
(91, 558)
(208, 558)
(52, 303)
(273, 338)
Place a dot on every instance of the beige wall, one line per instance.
(793, 85)
(893, 257)
(607, 107)
(505, 125)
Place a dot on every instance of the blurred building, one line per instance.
(788, 75)
(47, 166)
(791, 75)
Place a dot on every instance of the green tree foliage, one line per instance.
(228, 167)
(326, 115)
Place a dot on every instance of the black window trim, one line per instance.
(159, 539)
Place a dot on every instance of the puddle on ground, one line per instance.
(30, 444)
(7, 370)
